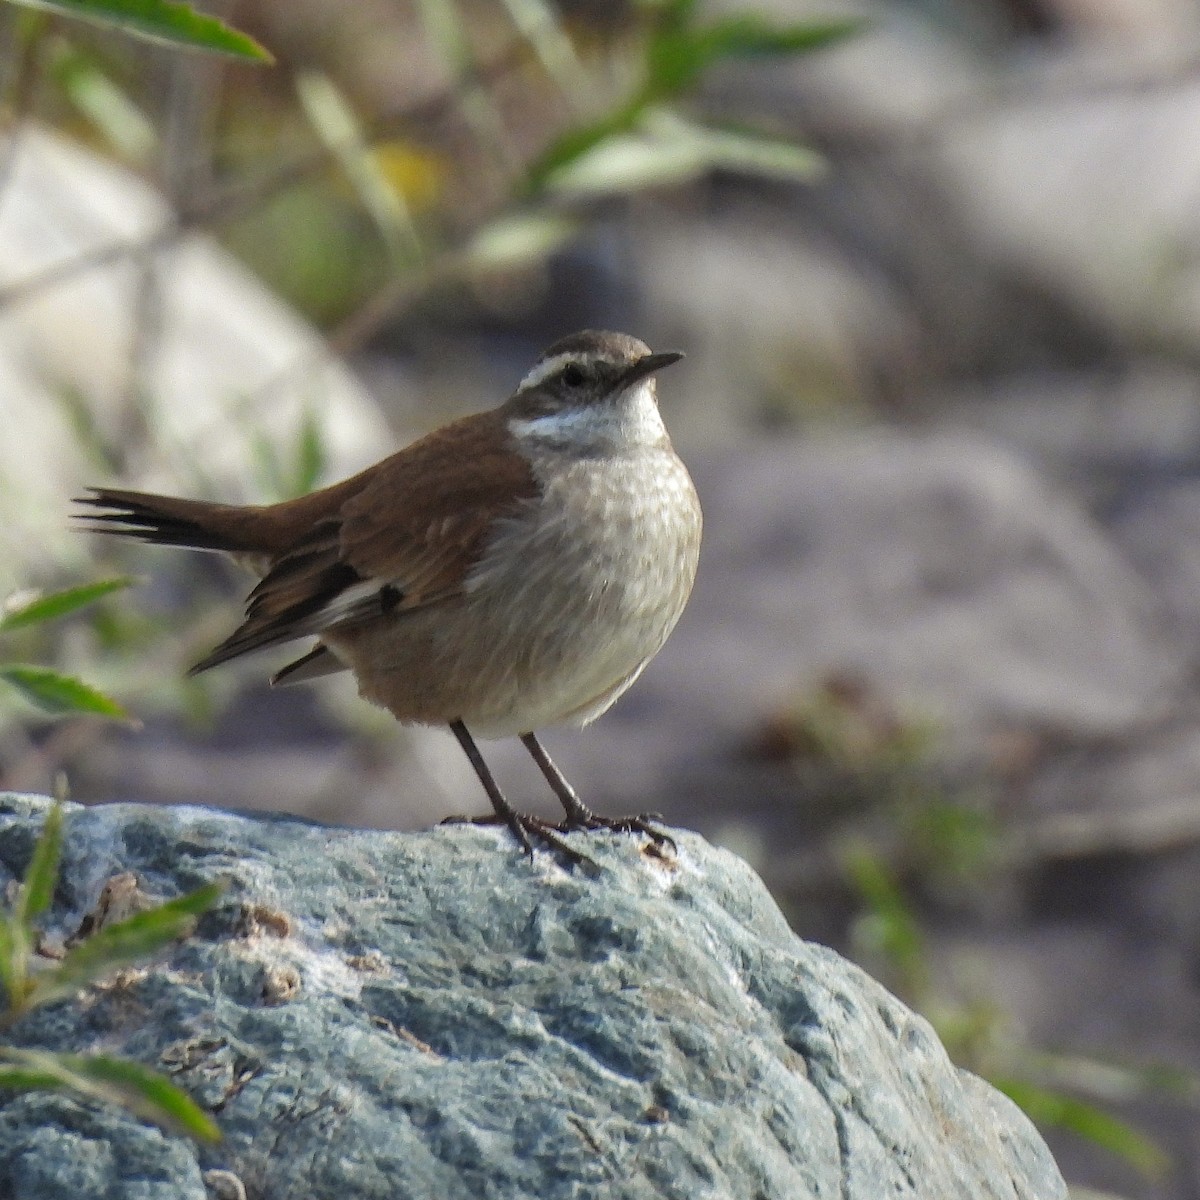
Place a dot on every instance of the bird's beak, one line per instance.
(648, 365)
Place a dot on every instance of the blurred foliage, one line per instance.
(859, 759)
(906, 829)
(844, 722)
(30, 979)
(283, 479)
(360, 202)
(1063, 1091)
(679, 48)
(168, 21)
(53, 691)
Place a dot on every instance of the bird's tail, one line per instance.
(171, 521)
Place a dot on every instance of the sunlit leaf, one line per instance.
(123, 943)
(418, 174)
(34, 608)
(513, 241)
(59, 694)
(1046, 1107)
(665, 150)
(167, 21)
(142, 1091)
(542, 27)
(103, 102)
(341, 132)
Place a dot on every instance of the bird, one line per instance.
(514, 569)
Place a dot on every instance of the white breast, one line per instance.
(594, 573)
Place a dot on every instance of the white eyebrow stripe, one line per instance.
(545, 369)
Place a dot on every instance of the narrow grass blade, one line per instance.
(37, 888)
(28, 1079)
(665, 150)
(679, 53)
(1047, 1107)
(144, 1092)
(11, 970)
(541, 27)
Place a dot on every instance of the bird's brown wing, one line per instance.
(406, 538)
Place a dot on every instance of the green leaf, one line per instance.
(1047, 1107)
(676, 55)
(575, 143)
(58, 694)
(37, 888)
(25, 609)
(121, 944)
(28, 1079)
(167, 21)
(146, 1093)
(142, 1091)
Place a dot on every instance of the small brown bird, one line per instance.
(514, 569)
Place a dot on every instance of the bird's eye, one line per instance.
(573, 375)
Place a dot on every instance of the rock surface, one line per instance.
(428, 1015)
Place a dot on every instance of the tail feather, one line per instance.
(167, 520)
(317, 663)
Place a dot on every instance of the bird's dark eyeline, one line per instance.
(515, 568)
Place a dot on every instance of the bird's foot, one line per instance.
(582, 817)
(529, 830)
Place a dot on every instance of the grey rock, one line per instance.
(430, 1015)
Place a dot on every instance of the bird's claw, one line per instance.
(527, 830)
(635, 823)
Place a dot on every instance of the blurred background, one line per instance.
(936, 268)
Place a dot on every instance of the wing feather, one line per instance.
(403, 540)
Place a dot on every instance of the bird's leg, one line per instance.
(579, 816)
(521, 825)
